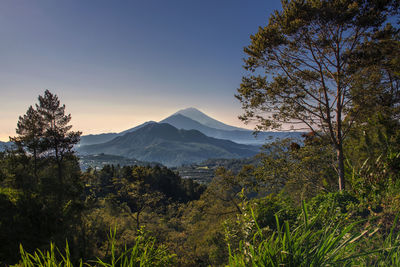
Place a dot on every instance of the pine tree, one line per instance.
(58, 139)
(30, 129)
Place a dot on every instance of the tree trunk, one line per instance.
(137, 220)
(236, 205)
(35, 166)
(340, 165)
(61, 183)
(60, 174)
(58, 160)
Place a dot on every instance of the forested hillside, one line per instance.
(326, 68)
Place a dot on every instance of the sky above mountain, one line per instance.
(116, 64)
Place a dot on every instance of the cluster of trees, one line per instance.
(41, 190)
(330, 66)
(45, 197)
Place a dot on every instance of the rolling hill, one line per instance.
(161, 142)
(96, 138)
(92, 139)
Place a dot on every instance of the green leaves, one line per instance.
(305, 58)
(143, 253)
(302, 245)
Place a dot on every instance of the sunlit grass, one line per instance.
(307, 245)
(143, 253)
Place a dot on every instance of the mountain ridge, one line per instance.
(194, 121)
(197, 115)
(92, 139)
(239, 136)
(164, 143)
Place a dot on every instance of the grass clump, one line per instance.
(145, 252)
(309, 244)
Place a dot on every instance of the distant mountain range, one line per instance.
(187, 136)
(242, 136)
(4, 145)
(164, 143)
(193, 119)
(92, 139)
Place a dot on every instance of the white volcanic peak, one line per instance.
(202, 118)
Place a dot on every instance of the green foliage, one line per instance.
(329, 65)
(40, 181)
(337, 207)
(375, 86)
(389, 255)
(57, 137)
(272, 209)
(373, 162)
(302, 171)
(331, 203)
(111, 179)
(303, 72)
(49, 258)
(203, 220)
(135, 196)
(143, 253)
(304, 245)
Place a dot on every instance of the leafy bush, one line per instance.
(334, 206)
(272, 206)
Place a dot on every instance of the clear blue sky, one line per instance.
(117, 63)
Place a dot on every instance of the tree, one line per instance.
(30, 134)
(228, 190)
(301, 66)
(45, 130)
(43, 207)
(376, 77)
(58, 139)
(137, 195)
(300, 171)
